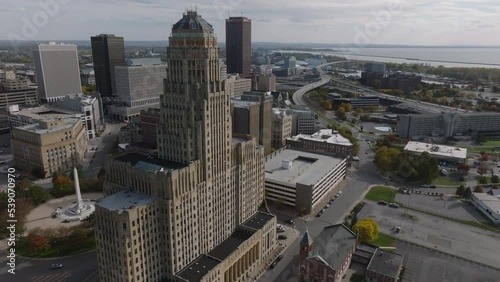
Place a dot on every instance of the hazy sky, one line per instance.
(423, 22)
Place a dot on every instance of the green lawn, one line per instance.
(385, 240)
(446, 181)
(491, 143)
(381, 193)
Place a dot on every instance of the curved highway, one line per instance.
(298, 96)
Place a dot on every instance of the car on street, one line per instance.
(383, 203)
(290, 221)
(282, 237)
(327, 206)
(394, 205)
(424, 185)
(433, 186)
(56, 265)
(273, 265)
(331, 201)
(280, 257)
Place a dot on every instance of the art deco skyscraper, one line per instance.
(190, 214)
(108, 51)
(239, 45)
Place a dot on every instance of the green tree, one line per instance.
(386, 159)
(347, 107)
(427, 167)
(367, 230)
(478, 189)
(467, 193)
(460, 190)
(340, 113)
(494, 179)
(37, 194)
(376, 83)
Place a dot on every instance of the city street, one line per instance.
(76, 268)
(444, 235)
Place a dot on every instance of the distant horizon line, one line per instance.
(323, 45)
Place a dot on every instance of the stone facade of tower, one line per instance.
(200, 195)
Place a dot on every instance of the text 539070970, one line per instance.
(11, 220)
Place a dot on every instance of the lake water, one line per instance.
(434, 56)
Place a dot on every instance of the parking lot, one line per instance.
(450, 207)
(436, 233)
(427, 265)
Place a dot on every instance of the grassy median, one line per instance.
(381, 193)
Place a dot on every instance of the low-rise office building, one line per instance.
(236, 85)
(52, 144)
(325, 141)
(489, 204)
(474, 124)
(17, 91)
(88, 108)
(303, 120)
(301, 179)
(440, 152)
(384, 267)
(281, 128)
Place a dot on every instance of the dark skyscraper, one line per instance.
(108, 51)
(238, 45)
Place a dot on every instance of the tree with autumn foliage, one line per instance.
(367, 230)
(482, 170)
(484, 157)
(37, 242)
(62, 185)
(463, 168)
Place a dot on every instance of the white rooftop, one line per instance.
(46, 112)
(492, 202)
(306, 168)
(437, 150)
(324, 135)
(124, 200)
(69, 122)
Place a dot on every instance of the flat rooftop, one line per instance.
(437, 150)
(324, 135)
(148, 163)
(124, 200)
(258, 220)
(228, 246)
(307, 168)
(195, 271)
(69, 122)
(491, 201)
(386, 263)
(243, 104)
(46, 112)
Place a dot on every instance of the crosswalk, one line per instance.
(55, 277)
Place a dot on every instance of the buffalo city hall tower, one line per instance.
(190, 214)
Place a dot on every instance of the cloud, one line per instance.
(326, 21)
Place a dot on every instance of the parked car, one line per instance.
(290, 221)
(56, 265)
(383, 203)
(273, 265)
(433, 186)
(424, 185)
(327, 206)
(282, 237)
(394, 205)
(331, 201)
(280, 257)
